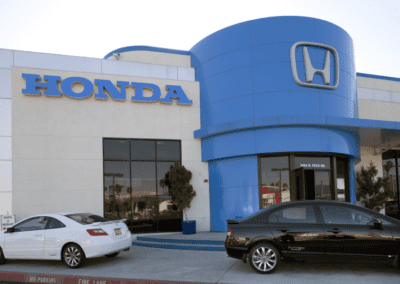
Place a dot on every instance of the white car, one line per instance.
(71, 237)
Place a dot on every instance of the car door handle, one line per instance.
(335, 231)
(37, 235)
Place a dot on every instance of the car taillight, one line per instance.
(96, 232)
(230, 234)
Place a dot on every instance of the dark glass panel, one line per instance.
(388, 154)
(341, 178)
(116, 182)
(389, 170)
(143, 150)
(143, 197)
(116, 149)
(162, 169)
(274, 180)
(143, 178)
(322, 185)
(168, 151)
(169, 219)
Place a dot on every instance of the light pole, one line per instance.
(113, 175)
(280, 181)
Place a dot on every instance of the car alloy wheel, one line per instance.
(264, 258)
(2, 258)
(73, 256)
(112, 254)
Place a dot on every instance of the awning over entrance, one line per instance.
(381, 135)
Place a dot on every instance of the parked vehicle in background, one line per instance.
(71, 237)
(314, 228)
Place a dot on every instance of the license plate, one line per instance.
(117, 231)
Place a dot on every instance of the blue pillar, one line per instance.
(353, 199)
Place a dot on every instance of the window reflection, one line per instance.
(389, 170)
(116, 181)
(322, 185)
(274, 181)
(132, 171)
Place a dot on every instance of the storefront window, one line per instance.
(275, 185)
(313, 178)
(132, 172)
(303, 176)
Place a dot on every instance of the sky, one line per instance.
(94, 28)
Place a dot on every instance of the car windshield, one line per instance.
(86, 218)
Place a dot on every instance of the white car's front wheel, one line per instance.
(73, 256)
(2, 258)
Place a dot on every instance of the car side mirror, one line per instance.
(375, 224)
(10, 230)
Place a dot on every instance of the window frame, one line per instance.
(52, 218)
(317, 221)
(23, 222)
(292, 177)
(130, 160)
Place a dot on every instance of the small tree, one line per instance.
(374, 192)
(177, 182)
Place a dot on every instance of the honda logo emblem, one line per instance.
(310, 70)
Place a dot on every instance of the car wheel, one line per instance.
(2, 258)
(112, 254)
(73, 256)
(264, 258)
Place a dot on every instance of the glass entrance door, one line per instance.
(313, 184)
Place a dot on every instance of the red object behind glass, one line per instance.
(265, 190)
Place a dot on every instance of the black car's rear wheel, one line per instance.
(264, 258)
(2, 258)
(112, 254)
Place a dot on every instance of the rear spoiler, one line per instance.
(108, 222)
(232, 222)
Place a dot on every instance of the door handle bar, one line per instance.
(335, 231)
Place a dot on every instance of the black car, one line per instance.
(304, 229)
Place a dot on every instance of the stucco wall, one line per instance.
(57, 141)
(378, 99)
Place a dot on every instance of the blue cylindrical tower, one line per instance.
(259, 80)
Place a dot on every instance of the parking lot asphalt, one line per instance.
(158, 265)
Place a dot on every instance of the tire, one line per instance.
(2, 258)
(112, 254)
(73, 256)
(264, 258)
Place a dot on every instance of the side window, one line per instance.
(33, 224)
(54, 224)
(384, 222)
(294, 214)
(344, 215)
